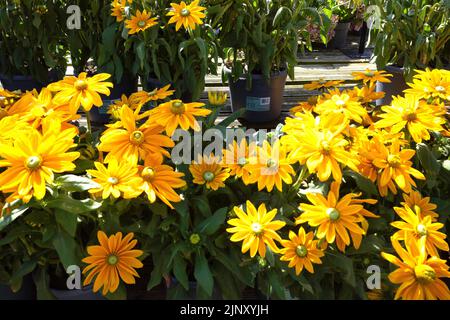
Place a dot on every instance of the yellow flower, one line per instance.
(142, 97)
(270, 167)
(322, 151)
(372, 76)
(236, 157)
(140, 22)
(341, 102)
(115, 109)
(7, 99)
(33, 159)
(335, 217)
(414, 228)
(304, 106)
(395, 165)
(256, 228)
(42, 109)
(210, 172)
(132, 143)
(186, 15)
(118, 179)
(10, 128)
(160, 180)
(217, 98)
(175, 113)
(321, 84)
(118, 9)
(414, 114)
(417, 274)
(420, 204)
(367, 94)
(114, 259)
(301, 251)
(431, 84)
(81, 91)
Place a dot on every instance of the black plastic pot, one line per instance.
(127, 86)
(263, 102)
(340, 37)
(82, 294)
(26, 83)
(27, 292)
(394, 88)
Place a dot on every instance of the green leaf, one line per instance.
(213, 223)
(26, 268)
(202, 274)
(69, 204)
(362, 182)
(41, 279)
(67, 249)
(8, 217)
(67, 220)
(179, 270)
(73, 183)
(108, 38)
(233, 117)
(345, 265)
(427, 159)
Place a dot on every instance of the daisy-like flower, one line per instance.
(322, 84)
(236, 157)
(114, 259)
(341, 102)
(160, 180)
(217, 98)
(301, 251)
(81, 91)
(140, 22)
(431, 84)
(270, 167)
(395, 165)
(421, 205)
(132, 143)
(305, 106)
(118, 9)
(186, 15)
(413, 228)
(7, 99)
(210, 172)
(33, 158)
(175, 113)
(12, 127)
(256, 228)
(142, 97)
(118, 179)
(417, 274)
(367, 94)
(372, 76)
(115, 108)
(414, 114)
(334, 217)
(42, 109)
(322, 152)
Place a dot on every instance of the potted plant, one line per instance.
(410, 35)
(259, 42)
(98, 47)
(32, 46)
(168, 50)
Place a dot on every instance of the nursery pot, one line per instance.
(26, 83)
(263, 101)
(394, 88)
(126, 86)
(85, 293)
(340, 37)
(26, 292)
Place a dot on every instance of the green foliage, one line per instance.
(413, 34)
